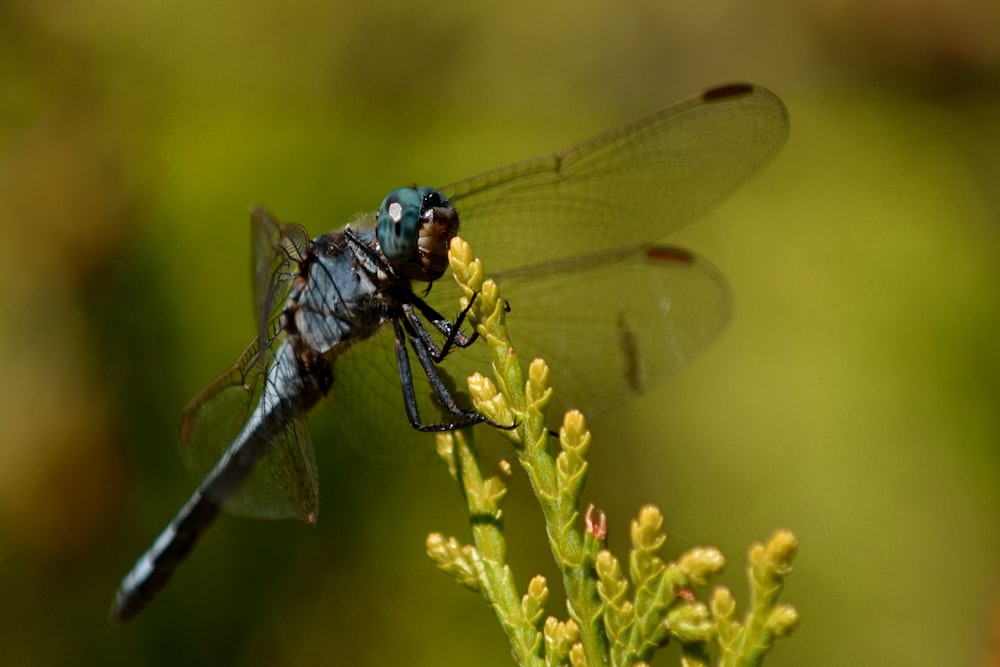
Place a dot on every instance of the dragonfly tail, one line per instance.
(155, 567)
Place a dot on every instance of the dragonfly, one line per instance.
(354, 315)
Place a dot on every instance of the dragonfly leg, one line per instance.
(465, 417)
(452, 330)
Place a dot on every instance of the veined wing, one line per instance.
(566, 236)
(276, 249)
(368, 401)
(284, 483)
(615, 325)
(609, 328)
(631, 185)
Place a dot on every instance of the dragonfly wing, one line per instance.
(614, 324)
(610, 314)
(275, 251)
(610, 325)
(631, 185)
(284, 483)
(369, 402)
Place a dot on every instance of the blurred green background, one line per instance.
(854, 398)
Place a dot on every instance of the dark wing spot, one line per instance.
(727, 91)
(630, 353)
(663, 253)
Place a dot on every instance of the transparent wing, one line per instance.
(284, 482)
(368, 403)
(276, 248)
(609, 328)
(631, 185)
(566, 235)
(617, 325)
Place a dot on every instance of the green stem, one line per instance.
(525, 406)
(483, 497)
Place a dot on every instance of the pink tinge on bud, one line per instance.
(685, 593)
(596, 523)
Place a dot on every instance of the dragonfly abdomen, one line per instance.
(286, 398)
(152, 571)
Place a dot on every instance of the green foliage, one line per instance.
(613, 619)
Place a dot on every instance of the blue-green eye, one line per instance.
(399, 223)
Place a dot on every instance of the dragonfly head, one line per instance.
(414, 228)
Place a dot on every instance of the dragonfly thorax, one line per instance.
(344, 296)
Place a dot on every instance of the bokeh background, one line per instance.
(854, 398)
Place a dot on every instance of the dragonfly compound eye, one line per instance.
(398, 224)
